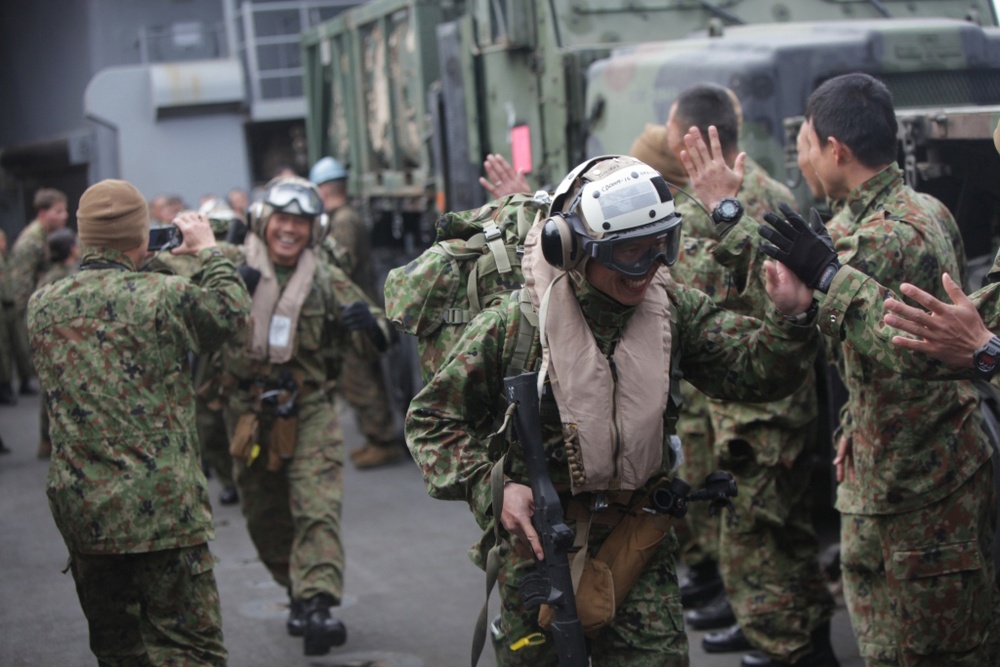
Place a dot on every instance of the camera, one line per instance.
(164, 238)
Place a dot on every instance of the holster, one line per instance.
(244, 436)
(606, 579)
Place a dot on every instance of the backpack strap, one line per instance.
(527, 334)
(459, 315)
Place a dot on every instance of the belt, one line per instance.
(604, 508)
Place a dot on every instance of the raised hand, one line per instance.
(501, 178)
(712, 179)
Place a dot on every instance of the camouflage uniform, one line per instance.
(940, 212)
(698, 532)
(768, 549)
(57, 272)
(361, 382)
(293, 514)
(29, 259)
(125, 483)
(210, 421)
(852, 312)
(917, 585)
(450, 422)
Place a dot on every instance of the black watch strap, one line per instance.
(986, 360)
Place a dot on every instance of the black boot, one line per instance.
(27, 389)
(757, 659)
(821, 654)
(702, 583)
(296, 623)
(729, 640)
(323, 630)
(7, 395)
(229, 496)
(716, 614)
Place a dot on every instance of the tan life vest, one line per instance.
(612, 428)
(274, 313)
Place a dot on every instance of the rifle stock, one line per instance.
(552, 581)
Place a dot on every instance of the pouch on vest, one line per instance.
(244, 436)
(595, 599)
(281, 446)
(630, 546)
(475, 259)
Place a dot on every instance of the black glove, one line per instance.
(357, 317)
(250, 276)
(804, 248)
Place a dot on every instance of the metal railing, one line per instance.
(265, 36)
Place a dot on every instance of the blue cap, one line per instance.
(327, 169)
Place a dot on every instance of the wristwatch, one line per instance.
(728, 211)
(986, 360)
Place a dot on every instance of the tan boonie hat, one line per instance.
(651, 147)
(113, 214)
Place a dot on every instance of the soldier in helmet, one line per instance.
(285, 435)
(612, 319)
(362, 383)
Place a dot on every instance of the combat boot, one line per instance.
(296, 623)
(729, 640)
(716, 614)
(229, 495)
(702, 583)
(373, 456)
(27, 389)
(322, 630)
(821, 654)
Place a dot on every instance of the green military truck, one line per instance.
(412, 94)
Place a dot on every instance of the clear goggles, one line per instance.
(636, 252)
(294, 198)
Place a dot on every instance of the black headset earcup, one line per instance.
(559, 244)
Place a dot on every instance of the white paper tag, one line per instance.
(281, 329)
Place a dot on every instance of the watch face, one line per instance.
(987, 358)
(728, 208)
(985, 362)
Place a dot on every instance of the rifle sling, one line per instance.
(492, 560)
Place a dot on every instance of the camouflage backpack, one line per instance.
(475, 260)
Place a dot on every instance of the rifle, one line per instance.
(551, 582)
